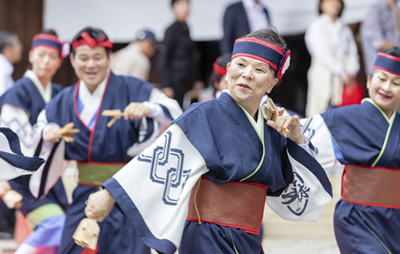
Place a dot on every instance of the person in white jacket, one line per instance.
(334, 58)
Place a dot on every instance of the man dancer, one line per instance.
(99, 150)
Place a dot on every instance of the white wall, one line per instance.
(120, 19)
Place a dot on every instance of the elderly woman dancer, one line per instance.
(218, 163)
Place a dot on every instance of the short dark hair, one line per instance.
(174, 1)
(320, 10)
(95, 33)
(271, 36)
(6, 39)
(49, 31)
(393, 51)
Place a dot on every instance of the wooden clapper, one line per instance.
(67, 131)
(270, 112)
(115, 113)
(87, 233)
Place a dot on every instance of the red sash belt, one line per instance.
(372, 186)
(232, 204)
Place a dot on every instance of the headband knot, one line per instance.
(92, 42)
(263, 51)
(387, 63)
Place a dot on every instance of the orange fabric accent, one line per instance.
(22, 230)
(371, 186)
(231, 204)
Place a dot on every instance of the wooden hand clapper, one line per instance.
(87, 233)
(270, 112)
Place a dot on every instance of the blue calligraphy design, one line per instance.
(296, 195)
(308, 132)
(167, 169)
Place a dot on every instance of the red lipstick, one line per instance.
(244, 85)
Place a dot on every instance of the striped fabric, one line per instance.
(387, 63)
(12, 162)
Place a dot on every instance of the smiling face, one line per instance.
(45, 62)
(384, 90)
(248, 80)
(90, 65)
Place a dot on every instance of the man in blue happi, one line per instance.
(100, 149)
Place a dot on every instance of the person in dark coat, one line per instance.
(240, 19)
(176, 56)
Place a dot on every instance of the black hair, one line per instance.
(221, 61)
(6, 39)
(271, 36)
(49, 31)
(174, 1)
(320, 9)
(393, 51)
(94, 33)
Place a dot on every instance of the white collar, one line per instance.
(84, 91)
(45, 93)
(91, 101)
(258, 125)
(250, 4)
(8, 68)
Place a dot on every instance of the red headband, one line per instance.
(92, 42)
(218, 69)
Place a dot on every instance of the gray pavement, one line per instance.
(285, 246)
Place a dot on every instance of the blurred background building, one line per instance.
(121, 19)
